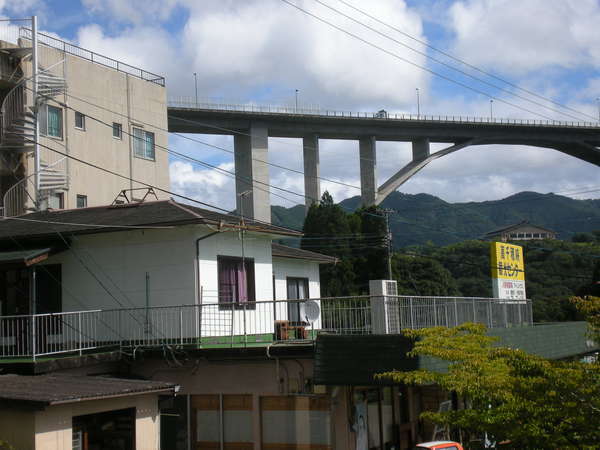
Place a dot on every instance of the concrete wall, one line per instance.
(121, 98)
(17, 428)
(53, 426)
(257, 378)
(51, 429)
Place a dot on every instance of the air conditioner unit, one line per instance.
(384, 308)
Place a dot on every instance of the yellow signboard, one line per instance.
(507, 261)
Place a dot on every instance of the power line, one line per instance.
(395, 55)
(444, 63)
(491, 75)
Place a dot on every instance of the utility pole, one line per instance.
(598, 103)
(491, 109)
(242, 196)
(36, 105)
(386, 213)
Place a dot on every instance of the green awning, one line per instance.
(26, 257)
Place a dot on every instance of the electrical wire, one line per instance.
(446, 64)
(461, 61)
(395, 55)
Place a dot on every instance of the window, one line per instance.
(56, 201)
(222, 421)
(51, 122)
(236, 280)
(143, 144)
(297, 289)
(117, 130)
(82, 201)
(79, 121)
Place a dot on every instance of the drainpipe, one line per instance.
(198, 288)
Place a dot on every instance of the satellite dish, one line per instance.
(310, 311)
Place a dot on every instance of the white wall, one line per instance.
(119, 262)
(284, 267)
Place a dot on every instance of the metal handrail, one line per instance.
(94, 57)
(241, 324)
(254, 108)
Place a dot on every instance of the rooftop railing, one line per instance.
(245, 324)
(94, 57)
(315, 111)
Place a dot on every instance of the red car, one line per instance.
(435, 445)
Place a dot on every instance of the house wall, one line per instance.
(258, 378)
(17, 428)
(120, 262)
(121, 98)
(51, 429)
(53, 426)
(284, 267)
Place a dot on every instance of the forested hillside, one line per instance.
(554, 270)
(422, 218)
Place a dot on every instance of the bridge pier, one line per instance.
(368, 169)
(252, 173)
(420, 149)
(312, 185)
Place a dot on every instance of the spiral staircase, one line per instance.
(17, 140)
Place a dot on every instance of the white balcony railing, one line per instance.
(246, 324)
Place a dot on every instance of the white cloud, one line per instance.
(526, 36)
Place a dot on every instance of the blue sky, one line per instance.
(263, 50)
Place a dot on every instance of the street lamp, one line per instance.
(598, 103)
(196, 87)
(418, 105)
(491, 109)
(296, 110)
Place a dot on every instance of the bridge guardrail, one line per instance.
(314, 111)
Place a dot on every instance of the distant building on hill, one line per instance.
(522, 231)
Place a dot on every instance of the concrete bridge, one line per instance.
(252, 125)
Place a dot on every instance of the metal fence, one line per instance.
(96, 58)
(312, 110)
(246, 324)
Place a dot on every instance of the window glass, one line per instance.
(117, 130)
(56, 201)
(79, 120)
(297, 289)
(55, 126)
(143, 143)
(82, 201)
(234, 287)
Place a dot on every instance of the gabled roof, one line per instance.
(516, 225)
(46, 390)
(102, 219)
(283, 251)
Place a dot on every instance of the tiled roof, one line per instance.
(101, 219)
(283, 251)
(45, 390)
(515, 225)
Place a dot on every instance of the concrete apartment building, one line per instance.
(91, 107)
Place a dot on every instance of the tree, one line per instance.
(590, 307)
(525, 399)
(324, 223)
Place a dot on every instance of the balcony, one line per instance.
(248, 324)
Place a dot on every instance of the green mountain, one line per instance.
(422, 218)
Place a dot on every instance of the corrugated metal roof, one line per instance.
(46, 390)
